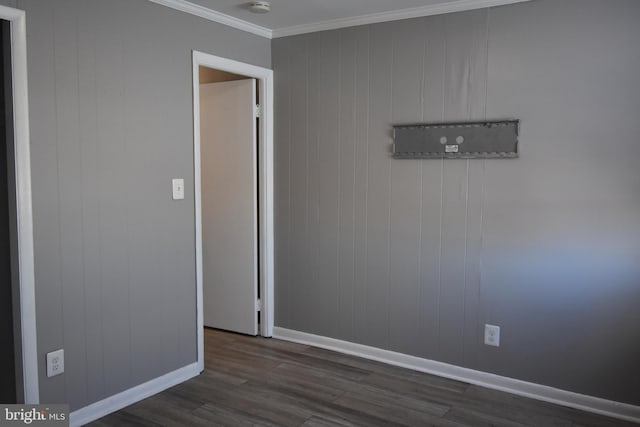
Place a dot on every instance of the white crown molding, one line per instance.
(583, 402)
(212, 15)
(394, 15)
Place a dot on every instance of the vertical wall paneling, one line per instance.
(433, 58)
(361, 183)
(464, 70)
(88, 122)
(111, 124)
(46, 214)
(424, 253)
(146, 241)
(70, 203)
(379, 178)
(568, 222)
(312, 284)
(473, 328)
(404, 232)
(345, 253)
(300, 151)
(466, 100)
(325, 307)
(283, 204)
(116, 329)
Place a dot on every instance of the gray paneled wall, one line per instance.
(416, 256)
(111, 123)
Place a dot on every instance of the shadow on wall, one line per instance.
(573, 296)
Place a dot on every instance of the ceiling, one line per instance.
(288, 17)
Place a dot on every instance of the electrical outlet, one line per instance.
(492, 335)
(55, 363)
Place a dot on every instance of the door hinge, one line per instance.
(258, 111)
(258, 305)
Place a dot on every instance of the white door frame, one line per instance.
(265, 185)
(24, 215)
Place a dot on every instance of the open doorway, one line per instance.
(20, 362)
(10, 357)
(233, 159)
(229, 196)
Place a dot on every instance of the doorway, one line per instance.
(229, 196)
(239, 194)
(8, 288)
(17, 220)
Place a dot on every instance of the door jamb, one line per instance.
(24, 215)
(265, 186)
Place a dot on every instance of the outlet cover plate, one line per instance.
(55, 363)
(492, 335)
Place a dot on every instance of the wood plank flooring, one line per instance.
(267, 382)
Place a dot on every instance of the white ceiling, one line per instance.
(288, 17)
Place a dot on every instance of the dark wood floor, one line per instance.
(256, 381)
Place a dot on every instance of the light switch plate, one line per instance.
(178, 188)
(55, 363)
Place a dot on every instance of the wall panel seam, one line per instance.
(340, 187)
(289, 216)
(82, 215)
(390, 196)
(355, 153)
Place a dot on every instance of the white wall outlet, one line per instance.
(492, 335)
(55, 363)
(178, 188)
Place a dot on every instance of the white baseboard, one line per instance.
(583, 402)
(116, 402)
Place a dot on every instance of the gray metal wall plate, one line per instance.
(485, 140)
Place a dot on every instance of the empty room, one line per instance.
(320, 213)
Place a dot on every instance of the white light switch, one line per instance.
(55, 363)
(178, 188)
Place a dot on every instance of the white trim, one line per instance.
(129, 397)
(596, 405)
(24, 215)
(197, 185)
(212, 15)
(333, 24)
(11, 14)
(255, 153)
(394, 15)
(266, 195)
(265, 184)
